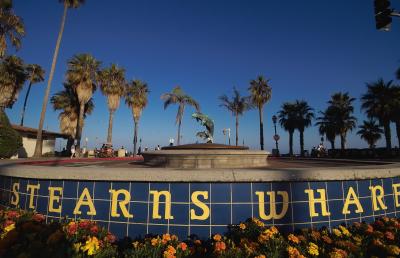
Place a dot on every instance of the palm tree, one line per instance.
(82, 74)
(12, 79)
(11, 27)
(35, 74)
(260, 94)
(370, 132)
(237, 105)
(327, 126)
(303, 117)
(136, 98)
(287, 120)
(378, 103)
(341, 107)
(67, 102)
(112, 85)
(67, 4)
(177, 96)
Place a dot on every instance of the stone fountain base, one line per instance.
(203, 156)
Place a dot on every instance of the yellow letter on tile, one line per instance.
(377, 198)
(122, 204)
(201, 205)
(396, 193)
(55, 198)
(15, 197)
(32, 189)
(85, 199)
(322, 200)
(272, 205)
(156, 203)
(351, 198)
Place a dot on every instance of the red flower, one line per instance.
(38, 217)
(12, 214)
(110, 238)
(94, 229)
(84, 224)
(389, 235)
(72, 228)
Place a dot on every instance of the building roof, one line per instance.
(24, 129)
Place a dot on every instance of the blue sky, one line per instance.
(309, 50)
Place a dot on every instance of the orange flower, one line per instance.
(338, 253)
(217, 237)
(170, 252)
(242, 226)
(174, 238)
(220, 246)
(182, 246)
(166, 238)
(38, 217)
(293, 252)
(293, 238)
(327, 239)
(155, 241)
(370, 229)
(260, 256)
(197, 242)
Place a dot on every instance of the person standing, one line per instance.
(72, 151)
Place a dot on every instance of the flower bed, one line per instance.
(25, 234)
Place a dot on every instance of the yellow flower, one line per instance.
(345, 231)
(293, 239)
(293, 252)
(217, 237)
(7, 229)
(336, 232)
(242, 226)
(91, 246)
(313, 249)
(77, 247)
(260, 256)
(393, 250)
(135, 244)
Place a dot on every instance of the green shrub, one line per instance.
(10, 140)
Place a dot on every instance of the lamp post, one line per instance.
(276, 136)
(227, 130)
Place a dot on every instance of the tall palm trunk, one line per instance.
(70, 142)
(291, 143)
(179, 132)
(79, 128)
(260, 113)
(388, 136)
(25, 101)
(110, 126)
(135, 134)
(237, 129)
(301, 142)
(39, 142)
(342, 141)
(398, 131)
(332, 144)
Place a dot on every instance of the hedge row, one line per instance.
(25, 234)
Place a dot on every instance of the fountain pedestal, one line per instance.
(203, 156)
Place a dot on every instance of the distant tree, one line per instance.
(370, 132)
(67, 5)
(237, 105)
(136, 98)
(260, 94)
(112, 85)
(12, 79)
(35, 74)
(67, 102)
(82, 73)
(398, 74)
(304, 116)
(287, 120)
(378, 103)
(327, 126)
(341, 108)
(12, 28)
(177, 96)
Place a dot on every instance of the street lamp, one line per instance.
(276, 136)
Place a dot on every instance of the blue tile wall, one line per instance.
(226, 203)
